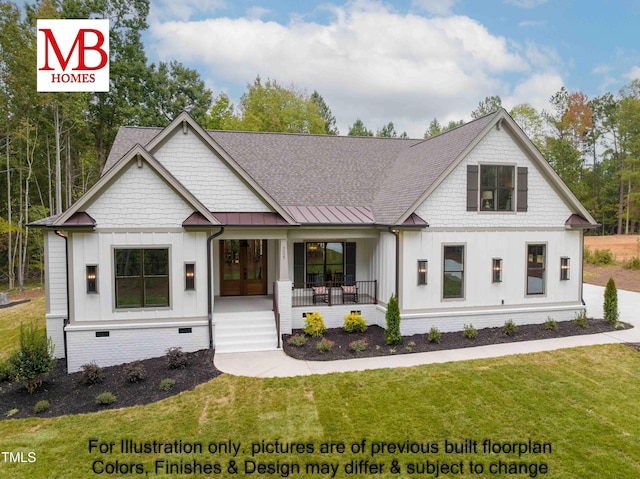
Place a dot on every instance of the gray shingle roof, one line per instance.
(383, 175)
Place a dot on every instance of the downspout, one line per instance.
(396, 233)
(209, 284)
(66, 320)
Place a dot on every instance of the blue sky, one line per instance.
(404, 61)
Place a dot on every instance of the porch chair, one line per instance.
(349, 290)
(320, 294)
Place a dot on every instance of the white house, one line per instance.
(217, 239)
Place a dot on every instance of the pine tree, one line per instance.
(610, 306)
(392, 333)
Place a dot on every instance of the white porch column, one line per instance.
(284, 305)
(283, 261)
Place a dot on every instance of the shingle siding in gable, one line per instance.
(447, 205)
(206, 176)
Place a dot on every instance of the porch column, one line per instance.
(283, 261)
(283, 286)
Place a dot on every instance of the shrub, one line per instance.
(599, 257)
(166, 384)
(392, 333)
(41, 406)
(314, 325)
(5, 371)
(297, 340)
(176, 358)
(581, 320)
(470, 332)
(610, 305)
(509, 327)
(135, 372)
(33, 361)
(354, 323)
(92, 373)
(550, 324)
(359, 345)
(325, 345)
(13, 412)
(106, 398)
(435, 336)
(633, 263)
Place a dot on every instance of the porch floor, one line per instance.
(242, 304)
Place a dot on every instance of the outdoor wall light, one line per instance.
(564, 269)
(189, 276)
(422, 271)
(92, 278)
(496, 270)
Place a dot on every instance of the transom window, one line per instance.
(142, 277)
(496, 187)
(453, 272)
(536, 268)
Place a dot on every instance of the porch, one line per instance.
(330, 293)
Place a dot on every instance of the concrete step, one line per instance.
(250, 331)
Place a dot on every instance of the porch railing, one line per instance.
(276, 311)
(331, 293)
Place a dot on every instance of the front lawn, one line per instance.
(582, 402)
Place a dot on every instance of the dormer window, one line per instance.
(497, 187)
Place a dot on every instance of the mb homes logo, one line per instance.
(73, 55)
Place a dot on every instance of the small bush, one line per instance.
(610, 306)
(297, 340)
(550, 324)
(166, 384)
(41, 406)
(33, 361)
(135, 372)
(176, 358)
(106, 398)
(470, 332)
(581, 320)
(599, 257)
(92, 373)
(509, 327)
(325, 345)
(354, 323)
(12, 412)
(5, 371)
(358, 345)
(633, 263)
(314, 325)
(435, 336)
(392, 333)
(410, 345)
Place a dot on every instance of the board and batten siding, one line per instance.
(55, 290)
(207, 176)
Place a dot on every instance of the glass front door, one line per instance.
(243, 267)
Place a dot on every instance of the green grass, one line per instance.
(10, 319)
(583, 401)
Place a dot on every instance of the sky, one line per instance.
(405, 61)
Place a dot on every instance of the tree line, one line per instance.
(55, 144)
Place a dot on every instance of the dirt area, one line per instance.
(623, 247)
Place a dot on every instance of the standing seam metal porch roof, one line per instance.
(325, 179)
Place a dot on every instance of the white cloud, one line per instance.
(532, 23)
(633, 74)
(436, 7)
(257, 12)
(168, 10)
(369, 61)
(526, 3)
(535, 90)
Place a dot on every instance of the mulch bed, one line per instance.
(418, 343)
(67, 394)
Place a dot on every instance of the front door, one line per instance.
(243, 267)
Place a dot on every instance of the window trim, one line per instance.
(115, 306)
(544, 269)
(464, 268)
(514, 188)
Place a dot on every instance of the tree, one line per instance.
(330, 127)
(434, 129)
(530, 121)
(222, 115)
(610, 305)
(392, 333)
(629, 117)
(358, 129)
(486, 106)
(387, 131)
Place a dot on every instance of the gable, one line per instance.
(206, 175)
(447, 204)
(139, 198)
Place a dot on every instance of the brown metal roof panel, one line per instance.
(80, 219)
(577, 221)
(232, 218)
(196, 219)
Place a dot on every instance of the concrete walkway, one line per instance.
(278, 364)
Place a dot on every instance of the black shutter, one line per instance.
(350, 262)
(298, 264)
(523, 187)
(472, 187)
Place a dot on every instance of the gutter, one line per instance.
(209, 284)
(396, 233)
(66, 320)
